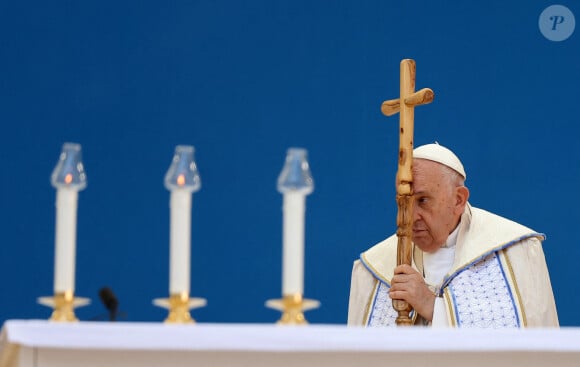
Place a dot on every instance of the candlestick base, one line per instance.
(63, 304)
(179, 305)
(292, 307)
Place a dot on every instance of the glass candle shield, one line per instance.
(183, 174)
(295, 175)
(69, 171)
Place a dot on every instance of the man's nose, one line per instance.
(416, 212)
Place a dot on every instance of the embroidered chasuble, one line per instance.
(491, 273)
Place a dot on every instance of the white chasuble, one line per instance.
(498, 278)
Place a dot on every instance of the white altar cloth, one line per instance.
(44, 343)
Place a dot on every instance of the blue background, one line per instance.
(243, 81)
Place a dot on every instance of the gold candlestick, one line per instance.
(179, 305)
(63, 304)
(292, 307)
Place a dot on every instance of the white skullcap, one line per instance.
(440, 154)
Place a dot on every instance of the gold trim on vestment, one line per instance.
(448, 300)
(367, 311)
(513, 282)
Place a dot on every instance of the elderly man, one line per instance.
(471, 268)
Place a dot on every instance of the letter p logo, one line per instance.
(557, 23)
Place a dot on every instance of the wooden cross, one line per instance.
(404, 180)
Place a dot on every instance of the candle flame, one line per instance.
(181, 180)
(68, 178)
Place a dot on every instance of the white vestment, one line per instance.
(498, 278)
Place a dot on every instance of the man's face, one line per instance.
(437, 206)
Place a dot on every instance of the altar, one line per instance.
(40, 343)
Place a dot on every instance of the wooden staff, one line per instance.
(404, 179)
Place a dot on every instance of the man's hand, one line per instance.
(407, 284)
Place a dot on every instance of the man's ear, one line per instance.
(461, 197)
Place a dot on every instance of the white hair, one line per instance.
(453, 177)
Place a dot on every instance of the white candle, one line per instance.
(293, 244)
(180, 241)
(65, 239)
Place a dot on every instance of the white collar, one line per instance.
(452, 238)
